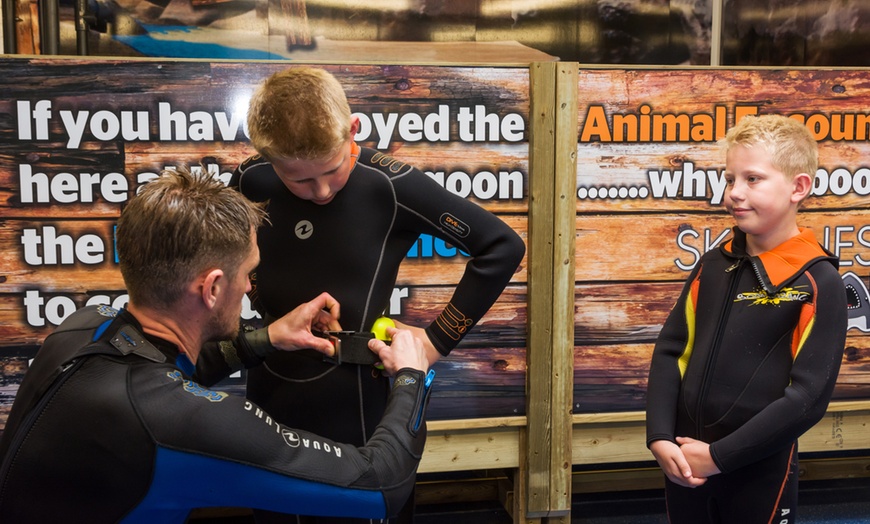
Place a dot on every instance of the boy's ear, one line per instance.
(803, 184)
(354, 125)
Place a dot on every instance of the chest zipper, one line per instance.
(754, 263)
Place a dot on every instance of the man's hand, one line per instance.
(674, 464)
(404, 351)
(294, 330)
(432, 354)
(698, 456)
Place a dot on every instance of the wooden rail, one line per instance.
(607, 438)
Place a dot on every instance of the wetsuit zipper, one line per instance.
(735, 269)
(24, 428)
(754, 262)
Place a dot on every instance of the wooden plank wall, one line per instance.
(643, 221)
(486, 158)
(633, 253)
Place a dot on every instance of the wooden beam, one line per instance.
(621, 437)
(549, 383)
(607, 439)
(564, 246)
(472, 444)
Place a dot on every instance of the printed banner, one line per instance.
(78, 137)
(649, 204)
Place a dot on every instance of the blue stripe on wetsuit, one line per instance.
(180, 478)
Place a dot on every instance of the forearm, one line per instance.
(218, 360)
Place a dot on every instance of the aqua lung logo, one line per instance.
(406, 380)
(304, 229)
(291, 438)
(107, 311)
(196, 390)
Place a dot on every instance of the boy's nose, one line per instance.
(736, 190)
(321, 190)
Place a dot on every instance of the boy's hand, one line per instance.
(674, 464)
(697, 454)
(432, 354)
(405, 351)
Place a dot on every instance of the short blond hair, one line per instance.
(789, 143)
(300, 113)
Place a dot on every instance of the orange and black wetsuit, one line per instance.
(747, 361)
(352, 248)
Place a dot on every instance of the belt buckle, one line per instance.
(351, 347)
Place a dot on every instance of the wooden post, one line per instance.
(549, 382)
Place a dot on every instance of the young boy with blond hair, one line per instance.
(342, 218)
(748, 358)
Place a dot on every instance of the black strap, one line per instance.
(352, 347)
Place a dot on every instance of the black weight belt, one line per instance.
(351, 347)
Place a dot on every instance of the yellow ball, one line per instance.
(379, 328)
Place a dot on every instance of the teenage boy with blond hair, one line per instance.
(342, 218)
(748, 358)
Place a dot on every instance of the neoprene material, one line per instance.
(96, 435)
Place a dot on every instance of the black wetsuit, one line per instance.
(108, 426)
(747, 362)
(352, 248)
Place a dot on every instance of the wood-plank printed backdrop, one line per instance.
(113, 124)
(640, 223)
(649, 191)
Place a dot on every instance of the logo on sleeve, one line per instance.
(454, 225)
(107, 311)
(453, 322)
(291, 438)
(196, 390)
(405, 380)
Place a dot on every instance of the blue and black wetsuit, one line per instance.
(110, 426)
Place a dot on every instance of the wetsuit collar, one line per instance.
(785, 261)
(354, 154)
(179, 358)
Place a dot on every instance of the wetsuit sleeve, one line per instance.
(217, 360)
(495, 249)
(665, 377)
(240, 456)
(235, 179)
(813, 377)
